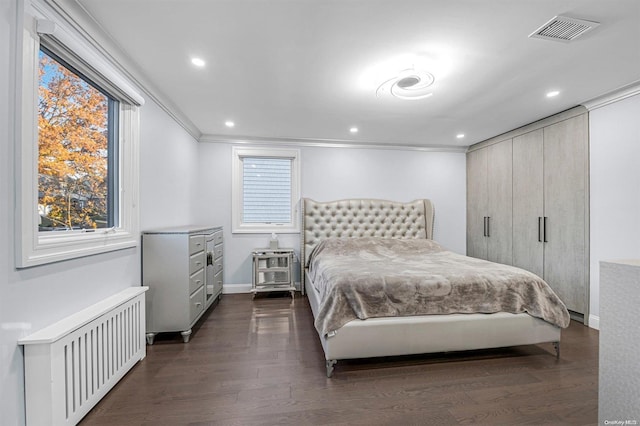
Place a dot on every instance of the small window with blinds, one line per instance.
(265, 190)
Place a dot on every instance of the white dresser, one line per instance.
(183, 268)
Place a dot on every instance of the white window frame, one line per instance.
(42, 24)
(238, 226)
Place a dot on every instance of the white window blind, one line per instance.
(266, 189)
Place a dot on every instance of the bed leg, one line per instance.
(330, 363)
(556, 346)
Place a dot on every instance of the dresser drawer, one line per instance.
(196, 280)
(196, 261)
(217, 237)
(217, 251)
(217, 283)
(196, 243)
(196, 304)
(217, 266)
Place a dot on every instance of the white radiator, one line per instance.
(70, 365)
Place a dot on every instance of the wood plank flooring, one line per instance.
(259, 362)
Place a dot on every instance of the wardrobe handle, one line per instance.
(544, 230)
(539, 229)
(484, 226)
(488, 226)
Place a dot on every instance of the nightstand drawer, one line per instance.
(267, 278)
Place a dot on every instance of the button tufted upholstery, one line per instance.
(364, 218)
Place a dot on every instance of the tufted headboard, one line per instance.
(363, 218)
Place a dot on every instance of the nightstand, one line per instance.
(272, 270)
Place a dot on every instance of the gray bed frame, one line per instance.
(390, 336)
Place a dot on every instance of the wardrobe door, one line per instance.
(565, 205)
(499, 202)
(528, 202)
(477, 203)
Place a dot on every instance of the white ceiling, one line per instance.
(308, 69)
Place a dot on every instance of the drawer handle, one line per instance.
(198, 281)
(198, 263)
(198, 304)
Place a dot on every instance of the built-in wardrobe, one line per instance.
(528, 203)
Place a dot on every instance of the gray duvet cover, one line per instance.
(379, 277)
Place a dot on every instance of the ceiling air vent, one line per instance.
(564, 29)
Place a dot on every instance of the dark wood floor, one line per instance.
(259, 362)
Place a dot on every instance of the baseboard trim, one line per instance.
(236, 288)
(594, 322)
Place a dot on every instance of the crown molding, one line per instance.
(326, 143)
(614, 96)
(81, 20)
(538, 124)
(90, 29)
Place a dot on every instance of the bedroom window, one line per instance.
(77, 153)
(265, 190)
(77, 143)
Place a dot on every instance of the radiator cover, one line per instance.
(70, 365)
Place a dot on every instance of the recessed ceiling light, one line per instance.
(198, 62)
(553, 93)
(229, 123)
(460, 135)
(353, 130)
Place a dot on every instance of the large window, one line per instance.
(77, 157)
(77, 143)
(265, 190)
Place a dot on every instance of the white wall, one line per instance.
(168, 171)
(614, 134)
(337, 173)
(33, 298)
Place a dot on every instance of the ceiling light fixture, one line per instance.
(409, 84)
(198, 62)
(460, 135)
(229, 123)
(553, 93)
(353, 130)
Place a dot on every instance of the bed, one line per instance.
(337, 225)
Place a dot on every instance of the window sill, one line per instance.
(262, 229)
(56, 248)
